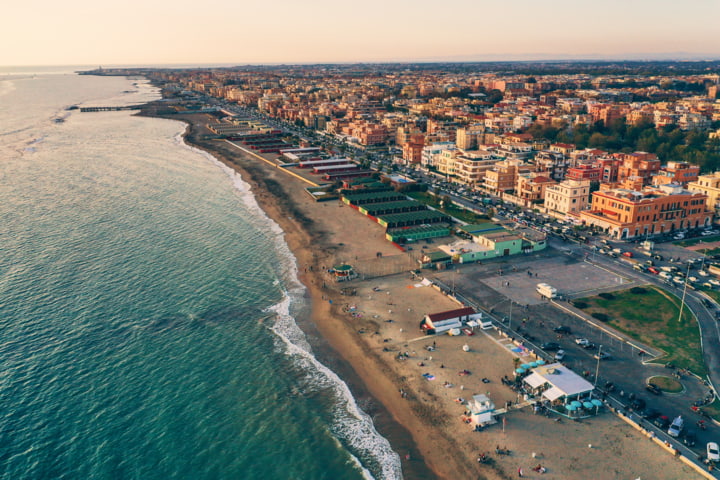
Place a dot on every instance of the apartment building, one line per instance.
(676, 172)
(503, 176)
(626, 213)
(708, 185)
(470, 167)
(530, 188)
(567, 197)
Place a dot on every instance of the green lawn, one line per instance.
(652, 318)
(452, 209)
(695, 241)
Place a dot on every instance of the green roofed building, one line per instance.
(413, 234)
(385, 208)
(480, 228)
(413, 218)
(375, 197)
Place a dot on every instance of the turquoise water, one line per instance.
(146, 308)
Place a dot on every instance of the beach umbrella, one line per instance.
(576, 404)
(540, 362)
(570, 407)
(587, 405)
(534, 364)
(597, 404)
(519, 371)
(526, 366)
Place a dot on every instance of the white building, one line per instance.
(567, 197)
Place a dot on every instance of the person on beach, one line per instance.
(520, 472)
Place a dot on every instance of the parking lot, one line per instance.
(534, 319)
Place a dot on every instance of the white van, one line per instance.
(664, 275)
(546, 290)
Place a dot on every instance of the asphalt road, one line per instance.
(483, 286)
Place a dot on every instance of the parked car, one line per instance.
(562, 329)
(676, 427)
(690, 438)
(652, 388)
(650, 414)
(560, 355)
(661, 421)
(550, 346)
(653, 270)
(627, 254)
(582, 341)
(713, 453)
(638, 404)
(602, 356)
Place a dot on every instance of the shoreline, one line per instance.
(327, 342)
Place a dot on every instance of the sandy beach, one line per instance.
(364, 333)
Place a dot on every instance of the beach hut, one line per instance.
(343, 272)
(443, 321)
(481, 410)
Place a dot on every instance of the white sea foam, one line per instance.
(351, 426)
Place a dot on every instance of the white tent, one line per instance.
(562, 381)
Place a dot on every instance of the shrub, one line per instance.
(638, 290)
(603, 317)
(580, 304)
(606, 295)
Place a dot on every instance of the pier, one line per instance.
(110, 109)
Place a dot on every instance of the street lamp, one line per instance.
(597, 367)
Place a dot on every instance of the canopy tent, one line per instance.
(553, 393)
(534, 380)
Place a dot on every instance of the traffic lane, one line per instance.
(625, 368)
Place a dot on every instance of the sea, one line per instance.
(148, 306)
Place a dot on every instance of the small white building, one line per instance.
(481, 410)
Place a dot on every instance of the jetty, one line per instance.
(110, 109)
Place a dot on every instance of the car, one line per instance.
(638, 404)
(653, 270)
(602, 356)
(650, 414)
(675, 427)
(690, 438)
(661, 421)
(582, 341)
(654, 389)
(707, 303)
(562, 329)
(713, 453)
(550, 346)
(560, 355)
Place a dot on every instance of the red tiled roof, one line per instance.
(460, 312)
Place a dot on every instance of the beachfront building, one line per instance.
(626, 213)
(567, 198)
(443, 321)
(709, 185)
(482, 410)
(558, 385)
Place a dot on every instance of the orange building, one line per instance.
(629, 213)
(638, 164)
(676, 172)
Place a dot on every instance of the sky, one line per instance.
(157, 32)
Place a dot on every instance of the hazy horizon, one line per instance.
(82, 32)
